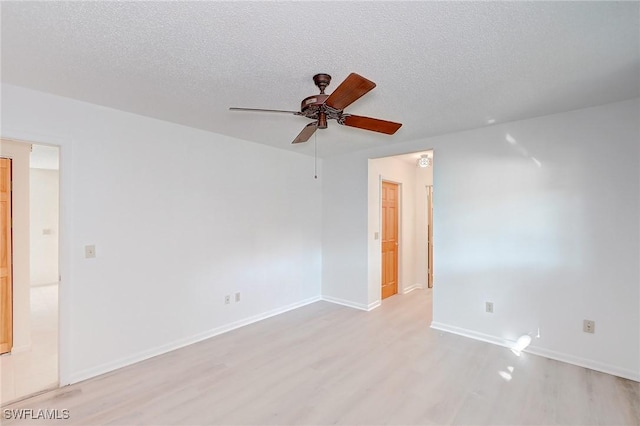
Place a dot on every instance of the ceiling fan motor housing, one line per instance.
(314, 107)
(312, 104)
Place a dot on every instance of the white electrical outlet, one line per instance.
(227, 299)
(89, 251)
(488, 307)
(237, 296)
(589, 326)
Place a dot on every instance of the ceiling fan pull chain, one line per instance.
(315, 155)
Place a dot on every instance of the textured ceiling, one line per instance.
(439, 66)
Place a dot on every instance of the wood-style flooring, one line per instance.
(36, 369)
(327, 364)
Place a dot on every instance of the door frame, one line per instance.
(400, 242)
(429, 189)
(64, 143)
(19, 154)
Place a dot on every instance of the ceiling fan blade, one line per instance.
(350, 90)
(306, 133)
(373, 124)
(264, 110)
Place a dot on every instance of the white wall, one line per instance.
(344, 230)
(19, 153)
(44, 226)
(180, 218)
(546, 227)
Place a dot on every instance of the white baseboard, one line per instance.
(586, 363)
(177, 344)
(471, 334)
(411, 288)
(370, 307)
(44, 284)
(547, 353)
(374, 305)
(347, 303)
(23, 348)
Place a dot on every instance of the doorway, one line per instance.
(412, 268)
(31, 363)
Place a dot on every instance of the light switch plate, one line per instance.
(589, 326)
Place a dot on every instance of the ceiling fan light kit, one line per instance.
(323, 107)
(424, 160)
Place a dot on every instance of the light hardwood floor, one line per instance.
(36, 369)
(328, 364)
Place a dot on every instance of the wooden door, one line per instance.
(6, 300)
(430, 234)
(389, 239)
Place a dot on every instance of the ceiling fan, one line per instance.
(323, 107)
